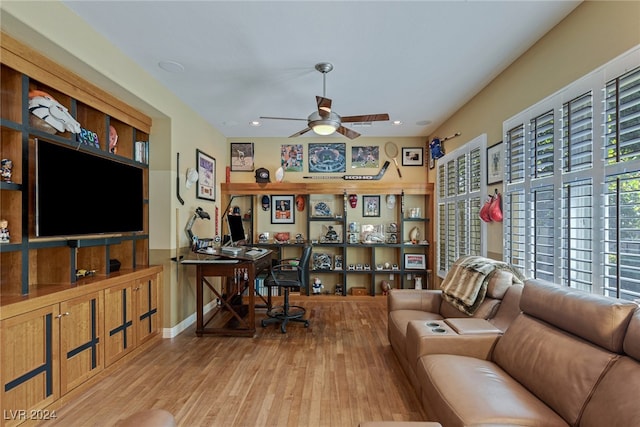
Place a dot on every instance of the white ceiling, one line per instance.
(418, 61)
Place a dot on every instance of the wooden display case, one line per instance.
(355, 254)
(53, 323)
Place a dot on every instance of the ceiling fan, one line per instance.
(324, 121)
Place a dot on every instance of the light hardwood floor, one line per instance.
(338, 372)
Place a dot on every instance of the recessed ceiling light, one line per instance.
(255, 123)
(397, 123)
(171, 66)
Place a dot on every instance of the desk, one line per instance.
(230, 317)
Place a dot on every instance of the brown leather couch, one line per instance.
(569, 358)
(414, 314)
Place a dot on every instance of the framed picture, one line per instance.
(495, 163)
(242, 156)
(415, 261)
(291, 156)
(206, 167)
(370, 206)
(327, 158)
(365, 156)
(412, 156)
(283, 210)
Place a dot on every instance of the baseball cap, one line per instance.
(262, 175)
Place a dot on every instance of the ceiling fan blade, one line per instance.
(365, 118)
(281, 118)
(349, 133)
(324, 106)
(302, 132)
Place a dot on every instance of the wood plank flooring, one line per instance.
(338, 372)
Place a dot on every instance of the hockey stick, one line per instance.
(356, 177)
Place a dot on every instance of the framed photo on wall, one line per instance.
(242, 157)
(327, 158)
(412, 156)
(415, 261)
(495, 163)
(370, 206)
(282, 210)
(206, 167)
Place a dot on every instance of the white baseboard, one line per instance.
(190, 320)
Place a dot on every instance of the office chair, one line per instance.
(286, 276)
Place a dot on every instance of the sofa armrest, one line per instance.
(414, 299)
(426, 338)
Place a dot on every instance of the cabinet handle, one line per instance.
(66, 313)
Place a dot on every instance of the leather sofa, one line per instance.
(568, 358)
(412, 312)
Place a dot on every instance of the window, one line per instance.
(460, 177)
(572, 184)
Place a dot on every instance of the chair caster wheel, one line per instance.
(263, 323)
(283, 329)
(306, 324)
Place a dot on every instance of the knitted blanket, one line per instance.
(465, 285)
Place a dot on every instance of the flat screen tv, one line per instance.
(79, 193)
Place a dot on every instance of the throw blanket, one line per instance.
(465, 285)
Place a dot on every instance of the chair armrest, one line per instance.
(422, 340)
(414, 299)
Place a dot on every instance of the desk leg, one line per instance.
(199, 302)
(252, 296)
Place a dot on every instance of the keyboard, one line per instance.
(212, 261)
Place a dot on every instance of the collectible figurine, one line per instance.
(385, 285)
(332, 235)
(317, 286)
(4, 231)
(113, 140)
(7, 166)
(338, 290)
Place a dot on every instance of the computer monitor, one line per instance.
(236, 229)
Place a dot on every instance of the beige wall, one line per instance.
(595, 33)
(60, 34)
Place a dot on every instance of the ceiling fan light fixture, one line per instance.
(324, 127)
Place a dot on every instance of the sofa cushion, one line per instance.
(560, 369)
(567, 309)
(462, 391)
(485, 310)
(614, 402)
(499, 282)
(509, 308)
(631, 343)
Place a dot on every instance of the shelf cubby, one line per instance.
(50, 266)
(94, 121)
(10, 94)
(11, 273)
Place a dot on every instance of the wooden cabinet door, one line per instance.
(119, 332)
(147, 314)
(29, 357)
(81, 340)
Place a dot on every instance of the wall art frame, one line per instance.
(412, 156)
(415, 261)
(370, 206)
(206, 167)
(242, 157)
(283, 209)
(495, 163)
